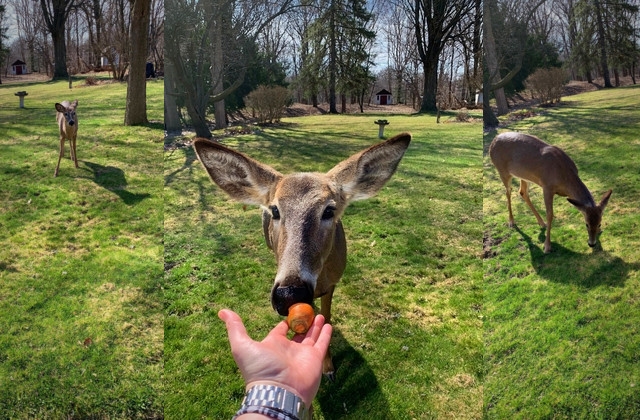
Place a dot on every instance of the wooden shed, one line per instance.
(384, 97)
(18, 67)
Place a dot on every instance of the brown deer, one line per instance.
(301, 214)
(68, 125)
(532, 160)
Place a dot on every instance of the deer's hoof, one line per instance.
(331, 376)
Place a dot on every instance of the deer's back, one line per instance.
(527, 157)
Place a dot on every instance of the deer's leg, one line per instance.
(548, 202)
(325, 310)
(73, 150)
(524, 192)
(59, 156)
(506, 180)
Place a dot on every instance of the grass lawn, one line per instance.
(81, 321)
(562, 331)
(407, 313)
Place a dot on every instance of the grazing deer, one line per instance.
(532, 160)
(68, 125)
(301, 214)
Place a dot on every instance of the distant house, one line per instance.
(18, 68)
(384, 97)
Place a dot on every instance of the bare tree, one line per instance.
(602, 43)
(437, 22)
(3, 35)
(136, 108)
(56, 13)
(207, 55)
(519, 14)
(115, 45)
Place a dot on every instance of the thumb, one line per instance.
(235, 328)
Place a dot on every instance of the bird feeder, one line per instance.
(381, 124)
(21, 94)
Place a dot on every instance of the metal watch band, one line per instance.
(272, 401)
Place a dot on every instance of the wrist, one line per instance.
(287, 387)
(272, 400)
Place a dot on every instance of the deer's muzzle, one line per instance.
(282, 297)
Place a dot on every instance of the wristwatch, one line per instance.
(272, 401)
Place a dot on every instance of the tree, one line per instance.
(3, 37)
(136, 108)
(437, 22)
(353, 51)
(503, 54)
(206, 43)
(401, 51)
(604, 66)
(56, 13)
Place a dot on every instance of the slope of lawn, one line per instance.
(81, 322)
(407, 313)
(562, 331)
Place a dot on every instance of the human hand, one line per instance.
(295, 364)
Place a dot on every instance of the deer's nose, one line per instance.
(282, 297)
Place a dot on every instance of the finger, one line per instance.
(235, 328)
(280, 329)
(316, 326)
(322, 343)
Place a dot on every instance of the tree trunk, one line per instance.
(216, 34)
(54, 13)
(136, 109)
(491, 57)
(602, 44)
(333, 59)
(217, 70)
(194, 93)
(489, 119)
(430, 87)
(171, 116)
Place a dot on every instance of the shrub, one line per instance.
(91, 81)
(546, 84)
(267, 103)
(463, 116)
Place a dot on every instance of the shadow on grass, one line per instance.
(590, 269)
(114, 180)
(356, 391)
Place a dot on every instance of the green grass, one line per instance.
(562, 331)
(407, 312)
(81, 322)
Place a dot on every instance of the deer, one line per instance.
(302, 215)
(68, 124)
(532, 160)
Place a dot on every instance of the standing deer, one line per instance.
(532, 160)
(68, 125)
(301, 214)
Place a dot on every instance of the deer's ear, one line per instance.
(364, 174)
(605, 200)
(578, 204)
(244, 179)
(60, 108)
(74, 103)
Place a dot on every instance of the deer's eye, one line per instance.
(328, 213)
(275, 213)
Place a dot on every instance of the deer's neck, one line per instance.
(579, 192)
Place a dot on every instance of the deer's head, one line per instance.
(593, 216)
(302, 211)
(68, 110)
